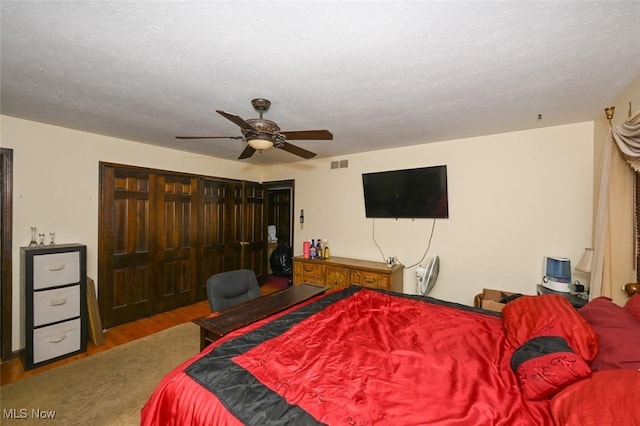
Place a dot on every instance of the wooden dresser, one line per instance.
(342, 272)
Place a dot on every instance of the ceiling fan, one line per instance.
(261, 134)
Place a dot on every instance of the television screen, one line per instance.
(410, 193)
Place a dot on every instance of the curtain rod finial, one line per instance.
(609, 111)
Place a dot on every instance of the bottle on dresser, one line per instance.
(325, 251)
(312, 250)
(319, 249)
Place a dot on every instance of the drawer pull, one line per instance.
(59, 267)
(369, 280)
(57, 339)
(58, 302)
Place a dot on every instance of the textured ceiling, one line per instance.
(377, 74)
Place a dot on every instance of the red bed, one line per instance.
(360, 356)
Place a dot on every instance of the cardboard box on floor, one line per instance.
(490, 299)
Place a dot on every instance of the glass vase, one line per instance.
(33, 242)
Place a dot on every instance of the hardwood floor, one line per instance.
(13, 370)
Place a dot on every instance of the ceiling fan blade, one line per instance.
(308, 135)
(247, 152)
(208, 137)
(236, 119)
(297, 150)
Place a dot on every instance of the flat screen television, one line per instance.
(409, 193)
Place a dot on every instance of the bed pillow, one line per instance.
(548, 315)
(545, 365)
(633, 306)
(618, 333)
(605, 398)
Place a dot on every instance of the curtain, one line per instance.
(614, 242)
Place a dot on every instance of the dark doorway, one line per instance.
(280, 202)
(279, 214)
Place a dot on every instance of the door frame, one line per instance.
(6, 247)
(277, 185)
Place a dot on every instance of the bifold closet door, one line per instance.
(176, 239)
(254, 235)
(215, 224)
(126, 266)
(162, 234)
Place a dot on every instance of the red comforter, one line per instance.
(363, 357)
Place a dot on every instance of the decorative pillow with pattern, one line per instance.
(548, 315)
(546, 365)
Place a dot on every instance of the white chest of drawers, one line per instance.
(54, 279)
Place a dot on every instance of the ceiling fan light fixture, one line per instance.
(260, 133)
(260, 144)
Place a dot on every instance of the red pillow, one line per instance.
(606, 398)
(633, 306)
(618, 332)
(548, 315)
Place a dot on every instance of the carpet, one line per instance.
(108, 388)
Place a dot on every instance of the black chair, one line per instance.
(230, 288)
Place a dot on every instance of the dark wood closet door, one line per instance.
(233, 245)
(230, 236)
(214, 220)
(176, 236)
(126, 270)
(163, 234)
(254, 253)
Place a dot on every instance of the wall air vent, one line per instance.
(339, 164)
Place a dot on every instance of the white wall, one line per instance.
(55, 186)
(513, 198)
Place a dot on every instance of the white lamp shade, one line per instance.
(585, 261)
(260, 144)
